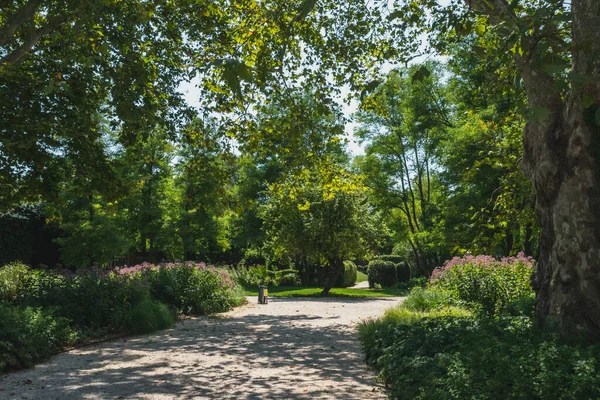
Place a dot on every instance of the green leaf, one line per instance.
(588, 100)
(369, 87)
(538, 114)
(421, 74)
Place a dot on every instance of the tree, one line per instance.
(204, 175)
(146, 169)
(321, 214)
(489, 206)
(66, 63)
(555, 48)
(402, 123)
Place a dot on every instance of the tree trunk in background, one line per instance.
(562, 160)
(337, 266)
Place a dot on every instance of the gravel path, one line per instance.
(287, 349)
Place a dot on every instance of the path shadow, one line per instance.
(244, 357)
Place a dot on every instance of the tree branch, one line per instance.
(14, 22)
(18, 54)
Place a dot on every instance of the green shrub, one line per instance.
(260, 275)
(191, 288)
(525, 306)
(427, 299)
(251, 276)
(92, 300)
(403, 270)
(149, 316)
(485, 283)
(28, 335)
(450, 357)
(11, 280)
(383, 273)
(254, 256)
(285, 277)
(391, 257)
(347, 277)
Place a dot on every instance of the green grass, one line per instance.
(303, 291)
(361, 277)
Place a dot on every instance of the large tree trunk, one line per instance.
(564, 173)
(562, 159)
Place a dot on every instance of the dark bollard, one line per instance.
(263, 294)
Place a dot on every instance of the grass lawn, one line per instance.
(304, 291)
(361, 277)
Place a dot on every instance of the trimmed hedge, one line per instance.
(383, 273)
(391, 257)
(348, 276)
(259, 275)
(404, 272)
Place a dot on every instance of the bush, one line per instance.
(260, 275)
(253, 256)
(191, 288)
(383, 273)
(403, 270)
(30, 334)
(485, 283)
(428, 348)
(391, 257)
(427, 299)
(92, 300)
(348, 276)
(12, 277)
(149, 316)
(458, 357)
(285, 277)
(45, 311)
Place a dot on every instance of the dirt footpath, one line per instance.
(287, 349)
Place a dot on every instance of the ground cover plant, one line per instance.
(458, 338)
(43, 311)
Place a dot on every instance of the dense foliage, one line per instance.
(442, 356)
(44, 311)
(470, 334)
(348, 276)
(485, 283)
(382, 273)
(253, 276)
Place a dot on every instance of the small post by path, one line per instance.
(263, 294)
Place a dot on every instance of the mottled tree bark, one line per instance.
(562, 159)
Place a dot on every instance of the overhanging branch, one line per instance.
(14, 22)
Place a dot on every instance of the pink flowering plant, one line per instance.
(189, 287)
(484, 282)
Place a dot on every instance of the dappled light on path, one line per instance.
(288, 349)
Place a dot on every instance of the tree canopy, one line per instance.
(93, 124)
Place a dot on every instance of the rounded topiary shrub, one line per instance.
(403, 270)
(348, 276)
(383, 273)
(391, 257)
